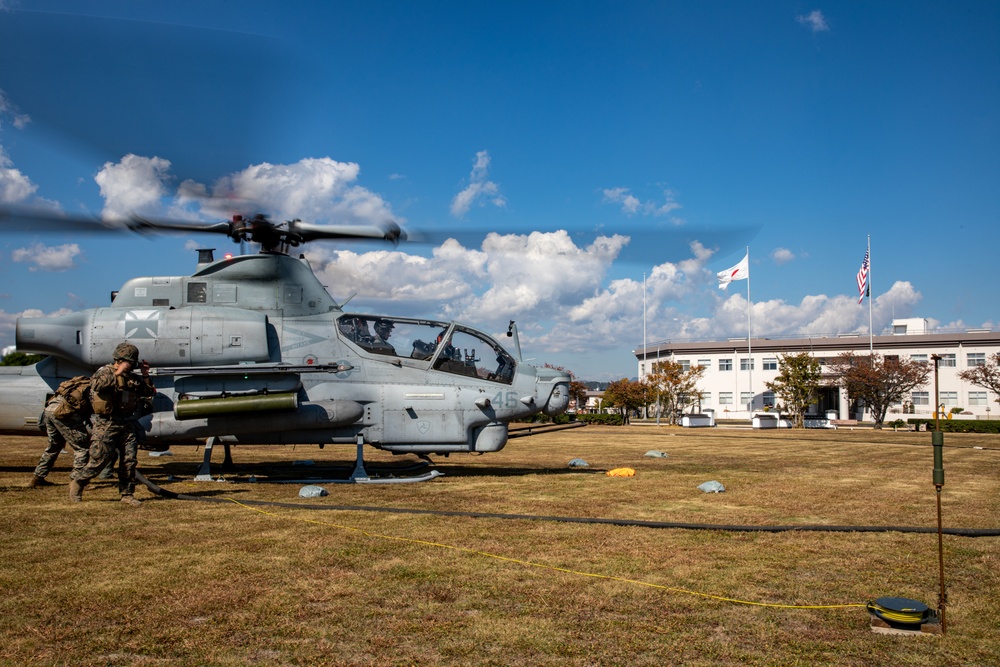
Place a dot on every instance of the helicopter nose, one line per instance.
(553, 391)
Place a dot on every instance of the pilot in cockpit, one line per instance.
(381, 344)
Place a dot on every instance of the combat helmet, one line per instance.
(126, 352)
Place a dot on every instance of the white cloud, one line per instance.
(814, 20)
(479, 189)
(400, 283)
(538, 274)
(815, 315)
(15, 187)
(782, 255)
(9, 110)
(47, 258)
(312, 189)
(535, 276)
(632, 205)
(135, 184)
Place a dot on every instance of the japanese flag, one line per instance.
(739, 272)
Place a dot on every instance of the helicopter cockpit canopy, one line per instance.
(450, 347)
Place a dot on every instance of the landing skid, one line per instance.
(205, 470)
(358, 476)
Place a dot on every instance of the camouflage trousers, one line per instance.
(112, 438)
(71, 431)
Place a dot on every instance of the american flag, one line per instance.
(863, 278)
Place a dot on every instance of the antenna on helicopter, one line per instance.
(512, 333)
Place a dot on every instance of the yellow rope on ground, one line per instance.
(548, 567)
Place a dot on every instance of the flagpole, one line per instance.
(645, 354)
(871, 332)
(645, 371)
(749, 351)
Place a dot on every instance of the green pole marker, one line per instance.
(937, 439)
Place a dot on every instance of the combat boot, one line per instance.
(76, 490)
(131, 501)
(37, 482)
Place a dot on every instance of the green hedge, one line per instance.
(960, 425)
(611, 420)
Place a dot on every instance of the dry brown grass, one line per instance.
(183, 582)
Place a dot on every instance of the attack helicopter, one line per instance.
(252, 349)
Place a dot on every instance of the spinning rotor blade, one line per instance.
(258, 229)
(311, 232)
(648, 243)
(20, 219)
(140, 224)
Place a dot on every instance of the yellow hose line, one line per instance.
(897, 615)
(547, 567)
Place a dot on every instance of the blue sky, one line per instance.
(595, 142)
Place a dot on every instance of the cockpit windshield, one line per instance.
(454, 349)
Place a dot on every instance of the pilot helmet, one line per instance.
(383, 327)
(126, 352)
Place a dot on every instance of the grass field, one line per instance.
(181, 582)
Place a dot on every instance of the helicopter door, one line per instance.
(211, 335)
(429, 414)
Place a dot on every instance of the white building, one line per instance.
(733, 382)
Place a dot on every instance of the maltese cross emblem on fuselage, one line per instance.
(142, 323)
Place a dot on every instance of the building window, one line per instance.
(949, 397)
(919, 358)
(705, 363)
(726, 365)
(685, 365)
(706, 397)
(977, 399)
(770, 363)
(725, 398)
(921, 398)
(769, 398)
(948, 360)
(745, 397)
(746, 363)
(975, 359)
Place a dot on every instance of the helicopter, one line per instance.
(252, 349)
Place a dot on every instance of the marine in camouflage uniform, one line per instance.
(69, 430)
(115, 394)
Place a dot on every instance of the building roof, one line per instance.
(841, 343)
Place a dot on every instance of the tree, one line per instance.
(578, 393)
(21, 359)
(796, 384)
(626, 395)
(879, 381)
(672, 387)
(987, 377)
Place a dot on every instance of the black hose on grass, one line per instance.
(962, 532)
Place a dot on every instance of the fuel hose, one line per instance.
(961, 532)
